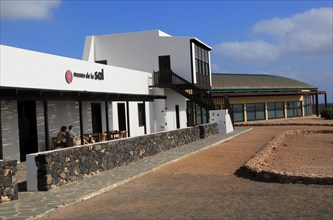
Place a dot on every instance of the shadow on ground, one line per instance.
(22, 186)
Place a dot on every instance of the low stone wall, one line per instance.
(255, 167)
(208, 130)
(8, 183)
(58, 167)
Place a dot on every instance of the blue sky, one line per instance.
(288, 38)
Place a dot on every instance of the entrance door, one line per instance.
(121, 117)
(96, 115)
(164, 63)
(164, 68)
(177, 117)
(190, 113)
(27, 128)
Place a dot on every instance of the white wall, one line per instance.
(115, 123)
(134, 51)
(223, 120)
(140, 51)
(89, 50)
(180, 53)
(158, 122)
(175, 99)
(28, 69)
(156, 112)
(135, 129)
(10, 135)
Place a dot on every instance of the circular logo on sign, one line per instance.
(69, 76)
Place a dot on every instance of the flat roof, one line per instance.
(7, 93)
(227, 82)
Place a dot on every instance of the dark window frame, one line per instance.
(142, 114)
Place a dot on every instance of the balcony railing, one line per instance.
(168, 78)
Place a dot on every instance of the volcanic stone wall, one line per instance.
(8, 183)
(208, 130)
(58, 167)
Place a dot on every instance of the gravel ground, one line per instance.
(209, 185)
(304, 154)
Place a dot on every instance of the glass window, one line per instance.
(307, 105)
(290, 109)
(279, 109)
(260, 111)
(204, 115)
(190, 113)
(198, 114)
(275, 110)
(271, 110)
(238, 112)
(250, 113)
(255, 111)
(201, 59)
(298, 108)
(197, 65)
(294, 109)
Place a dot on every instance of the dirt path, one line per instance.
(204, 186)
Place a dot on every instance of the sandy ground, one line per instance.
(304, 154)
(209, 185)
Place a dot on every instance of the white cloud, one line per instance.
(216, 68)
(275, 26)
(29, 9)
(307, 34)
(248, 51)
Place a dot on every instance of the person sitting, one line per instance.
(71, 135)
(61, 138)
(88, 139)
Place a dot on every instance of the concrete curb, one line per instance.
(281, 124)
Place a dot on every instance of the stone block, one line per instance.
(8, 184)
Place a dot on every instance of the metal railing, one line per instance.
(169, 78)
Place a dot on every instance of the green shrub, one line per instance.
(327, 113)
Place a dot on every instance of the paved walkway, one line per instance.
(32, 204)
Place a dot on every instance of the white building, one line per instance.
(141, 82)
